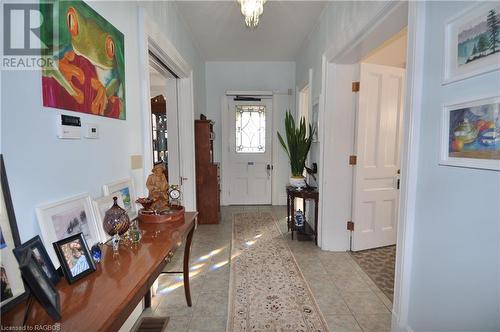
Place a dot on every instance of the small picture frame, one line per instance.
(40, 285)
(74, 256)
(40, 256)
(468, 50)
(125, 189)
(65, 218)
(101, 205)
(470, 134)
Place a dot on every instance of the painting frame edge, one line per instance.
(444, 159)
(447, 76)
(9, 207)
(133, 195)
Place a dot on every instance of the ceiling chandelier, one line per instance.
(252, 9)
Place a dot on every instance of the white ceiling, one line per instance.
(219, 30)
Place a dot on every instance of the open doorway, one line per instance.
(164, 118)
(377, 146)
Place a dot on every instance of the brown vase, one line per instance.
(116, 220)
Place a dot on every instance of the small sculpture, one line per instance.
(158, 188)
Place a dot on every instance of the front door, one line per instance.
(378, 139)
(250, 155)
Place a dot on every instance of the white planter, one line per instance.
(298, 182)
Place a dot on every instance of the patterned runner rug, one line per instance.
(267, 290)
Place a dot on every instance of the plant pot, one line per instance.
(298, 182)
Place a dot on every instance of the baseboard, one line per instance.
(396, 328)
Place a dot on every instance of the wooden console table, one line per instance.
(104, 299)
(310, 193)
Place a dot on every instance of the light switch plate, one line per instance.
(136, 161)
(91, 131)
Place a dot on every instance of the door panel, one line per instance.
(378, 136)
(250, 144)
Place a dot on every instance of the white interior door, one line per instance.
(249, 150)
(378, 141)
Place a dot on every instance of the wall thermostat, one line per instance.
(69, 128)
(91, 131)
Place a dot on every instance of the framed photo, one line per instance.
(74, 256)
(125, 189)
(40, 256)
(13, 290)
(101, 205)
(472, 43)
(40, 285)
(66, 218)
(471, 134)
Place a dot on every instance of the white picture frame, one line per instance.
(101, 205)
(462, 36)
(62, 219)
(120, 188)
(474, 154)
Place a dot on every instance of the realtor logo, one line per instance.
(22, 27)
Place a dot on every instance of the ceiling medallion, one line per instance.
(252, 9)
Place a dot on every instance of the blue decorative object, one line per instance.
(299, 219)
(96, 252)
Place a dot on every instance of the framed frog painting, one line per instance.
(84, 68)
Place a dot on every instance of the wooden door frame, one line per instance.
(377, 30)
(151, 37)
(225, 138)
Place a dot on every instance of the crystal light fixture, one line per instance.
(252, 9)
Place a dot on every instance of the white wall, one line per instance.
(42, 168)
(456, 262)
(391, 53)
(263, 76)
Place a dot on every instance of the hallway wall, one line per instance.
(456, 262)
(261, 76)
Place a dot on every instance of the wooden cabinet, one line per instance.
(207, 174)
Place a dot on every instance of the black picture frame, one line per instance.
(79, 248)
(4, 307)
(40, 285)
(43, 259)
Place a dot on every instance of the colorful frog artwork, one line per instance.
(87, 73)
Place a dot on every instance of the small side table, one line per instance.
(310, 193)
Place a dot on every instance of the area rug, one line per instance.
(267, 289)
(379, 264)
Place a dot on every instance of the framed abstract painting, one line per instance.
(472, 42)
(66, 218)
(85, 65)
(470, 134)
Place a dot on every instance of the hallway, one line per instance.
(347, 297)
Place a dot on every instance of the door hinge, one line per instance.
(353, 160)
(350, 225)
(355, 86)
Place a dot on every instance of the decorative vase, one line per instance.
(116, 220)
(298, 182)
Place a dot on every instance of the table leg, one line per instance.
(292, 222)
(147, 299)
(288, 212)
(187, 250)
(316, 222)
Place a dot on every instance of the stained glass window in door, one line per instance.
(250, 129)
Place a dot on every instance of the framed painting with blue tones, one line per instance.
(125, 189)
(471, 134)
(472, 43)
(66, 218)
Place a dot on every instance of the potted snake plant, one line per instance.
(297, 147)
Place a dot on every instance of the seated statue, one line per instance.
(158, 188)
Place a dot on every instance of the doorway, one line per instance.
(248, 129)
(164, 118)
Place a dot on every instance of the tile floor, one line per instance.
(347, 297)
